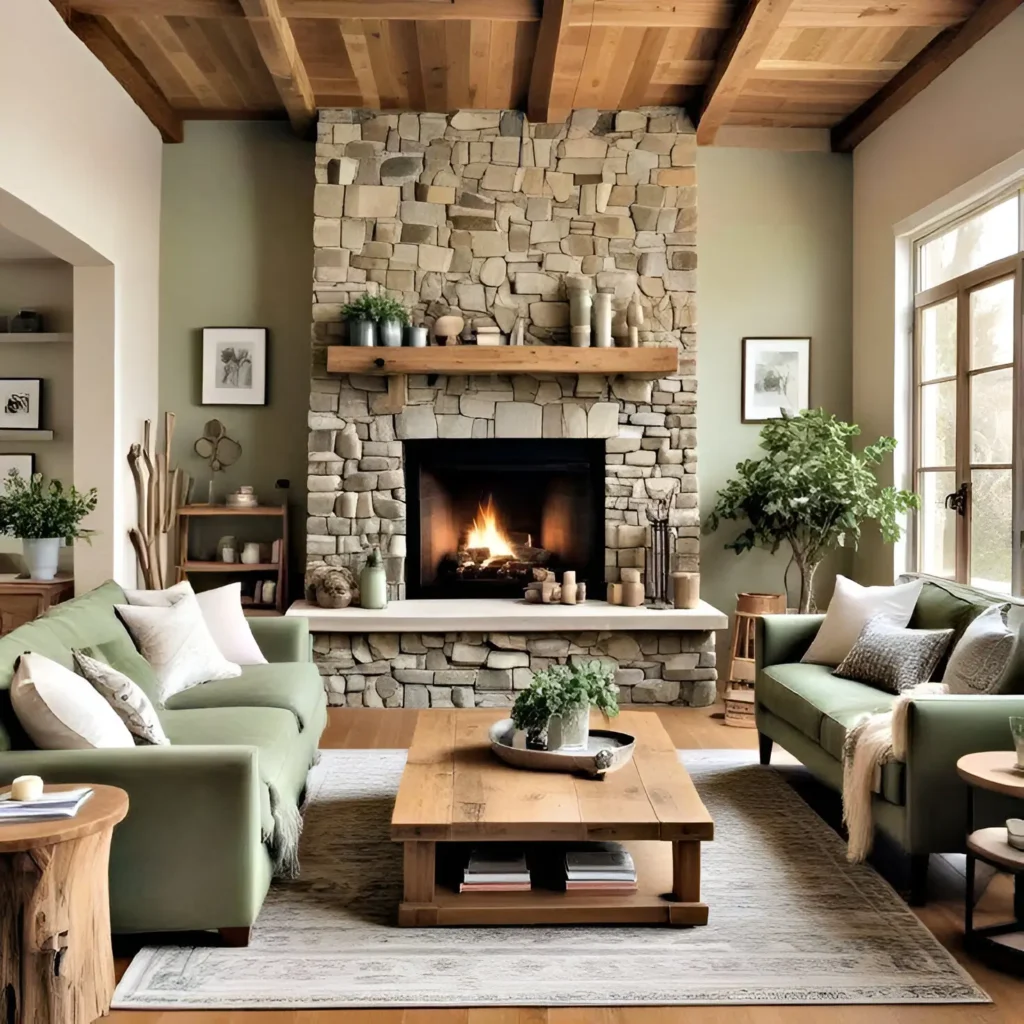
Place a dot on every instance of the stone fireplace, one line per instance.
(486, 215)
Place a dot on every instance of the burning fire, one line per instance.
(486, 532)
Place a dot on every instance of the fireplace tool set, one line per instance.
(659, 554)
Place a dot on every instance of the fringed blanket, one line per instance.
(873, 741)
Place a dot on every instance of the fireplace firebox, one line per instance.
(486, 515)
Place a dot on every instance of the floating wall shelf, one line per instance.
(397, 363)
(26, 435)
(19, 339)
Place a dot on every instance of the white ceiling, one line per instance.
(14, 247)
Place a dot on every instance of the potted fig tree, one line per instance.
(43, 516)
(554, 711)
(811, 491)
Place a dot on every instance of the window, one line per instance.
(967, 350)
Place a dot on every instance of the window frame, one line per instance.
(960, 289)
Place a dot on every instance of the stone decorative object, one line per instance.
(449, 328)
(615, 593)
(568, 595)
(632, 588)
(331, 586)
(685, 589)
(634, 321)
(603, 318)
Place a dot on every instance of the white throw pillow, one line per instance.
(979, 661)
(176, 642)
(222, 613)
(125, 696)
(61, 711)
(850, 610)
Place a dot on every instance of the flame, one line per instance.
(486, 531)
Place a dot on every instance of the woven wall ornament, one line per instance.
(216, 447)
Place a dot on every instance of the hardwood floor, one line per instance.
(695, 729)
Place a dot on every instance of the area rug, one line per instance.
(790, 922)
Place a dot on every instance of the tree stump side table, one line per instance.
(993, 770)
(56, 960)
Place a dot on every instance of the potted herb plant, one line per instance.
(44, 517)
(810, 491)
(362, 321)
(391, 317)
(554, 711)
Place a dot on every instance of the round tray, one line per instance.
(607, 751)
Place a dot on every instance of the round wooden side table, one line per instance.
(56, 961)
(996, 771)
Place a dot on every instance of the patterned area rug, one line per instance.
(791, 922)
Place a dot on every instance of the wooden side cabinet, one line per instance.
(23, 600)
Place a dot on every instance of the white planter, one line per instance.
(41, 557)
(571, 731)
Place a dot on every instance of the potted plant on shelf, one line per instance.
(554, 711)
(362, 321)
(810, 491)
(44, 517)
(391, 317)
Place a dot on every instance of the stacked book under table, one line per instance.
(596, 867)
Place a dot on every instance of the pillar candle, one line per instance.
(27, 787)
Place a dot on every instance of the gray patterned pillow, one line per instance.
(126, 697)
(979, 661)
(893, 658)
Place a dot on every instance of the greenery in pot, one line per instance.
(564, 690)
(34, 511)
(361, 308)
(388, 310)
(810, 491)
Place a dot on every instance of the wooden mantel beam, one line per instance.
(741, 51)
(107, 47)
(554, 24)
(943, 50)
(276, 43)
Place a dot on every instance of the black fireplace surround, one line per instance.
(486, 515)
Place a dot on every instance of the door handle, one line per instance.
(957, 501)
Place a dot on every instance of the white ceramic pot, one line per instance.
(570, 731)
(251, 553)
(41, 557)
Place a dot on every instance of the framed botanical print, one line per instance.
(234, 366)
(22, 465)
(776, 378)
(20, 403)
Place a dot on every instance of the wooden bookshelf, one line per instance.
(278, 570)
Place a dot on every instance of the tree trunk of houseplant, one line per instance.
(41, 556)
(807, 570)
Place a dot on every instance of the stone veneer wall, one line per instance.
(483, 214)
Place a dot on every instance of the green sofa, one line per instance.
(922, 804)
(198, 847)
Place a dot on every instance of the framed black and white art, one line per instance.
(234, 366)
(23, 465)
(776, 378)
(20, 403)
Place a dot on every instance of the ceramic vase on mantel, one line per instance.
(603, 318)
(41, 556)
(389, 333)
(581, 304)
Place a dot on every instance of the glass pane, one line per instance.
(938, 340)
(992, 416)
(937, 525)
(991, 528)
(938, 424)
(992, 324)
(975, 242)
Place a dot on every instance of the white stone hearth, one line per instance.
(487, 614)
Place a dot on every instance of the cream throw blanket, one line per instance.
(874, 741)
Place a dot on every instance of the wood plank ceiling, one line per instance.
(845, 65)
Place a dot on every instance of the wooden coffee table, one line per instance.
(455, 791)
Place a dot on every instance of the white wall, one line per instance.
(969, 120)
(80, 174)
(774, 243)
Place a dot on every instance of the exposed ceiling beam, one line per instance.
(935, 58)
(554, 24)
(741, 50)
(642, 72)
(277, 46)
(108, 49)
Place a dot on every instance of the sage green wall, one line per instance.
(775, 259)
(236, 250)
